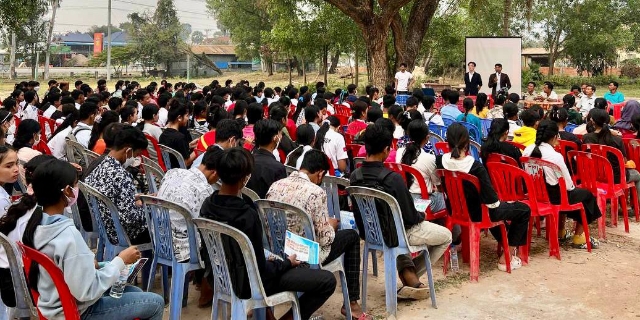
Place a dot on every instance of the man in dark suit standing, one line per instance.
(472, 80)
(498, 80)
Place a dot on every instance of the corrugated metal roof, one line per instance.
(534, 51)
(214, 49)
(76, 38)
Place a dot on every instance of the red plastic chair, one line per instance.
(620, 189)
(594, 170)
(501, 158)
(348, 138)
(617, 110)
(424, 192)
(632, 147)
(69, 307)
(442, 148)
(509, 180)
(343, 113)
(453, 183)
(44, 123)
(156, 147)
(517, 145)
(354, 149)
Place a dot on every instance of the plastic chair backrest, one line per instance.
(517, 145)
(434, 137)
(330, 185)
(570, 127)
(429, 92)
(150, 162)
(46, 123)
(90, 155)
(97, 203)
(68, 301)
(442, 148)
(153, 176)
(290, 169)
(212, 232)
(441, 131)
(617, 110)
(159, 212)
(474, 150)
(538, 169)
(509, 181)
(156, 147)
(608, 152)
(274, 216)
(501, 158)
(401, 99)
(24, 305)
(251, 194)
(632, 146)
(587, 165)
(564, 146)
(417, 178)
(166, 157)
(448, 121)
(486, 125)
(357, 161)
(365, 199)
(474, 132)
(453, 184)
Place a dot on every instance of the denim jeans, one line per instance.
(3, 311)
(133, 304)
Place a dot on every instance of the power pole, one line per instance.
(189, 66)
(12, 57)
(109, 43)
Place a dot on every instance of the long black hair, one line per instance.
(467, 103)
(418, 131)
(26, 129)
(547, 131)
(499, 127)
(600, 119)
(49, 180)
(108, 117)
(305, 136)
(481, 102)
(71, 116)
(458, 139)
(569, 101)
(332, 121)
(559, 115)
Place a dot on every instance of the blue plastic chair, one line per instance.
(274, 216)
(435, 138)
(153, 176)
(91, 237)
(365, 199)
(474, 132)
(441, 131)
(401, 99)
(95, 199)
(159, 214)
(166, 157)
(448, 121)
(24, 304)
(486, 124)
(570, 127)
(212, 232)
(474, 149)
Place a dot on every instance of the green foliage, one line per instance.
(600, 81)
(245, 20)
(532, 74)
(197, 37)
(120, 56)
(631, 68)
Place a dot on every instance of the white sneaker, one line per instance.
(516, 263)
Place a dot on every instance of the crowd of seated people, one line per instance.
(233, 138)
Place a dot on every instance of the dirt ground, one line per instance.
(599, 285)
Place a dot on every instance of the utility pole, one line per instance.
(12, 57)
(109, 43)
(189, 66)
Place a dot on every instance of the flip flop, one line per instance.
(411, 293)
(363, 316)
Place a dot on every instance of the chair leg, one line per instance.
(614, 211)
(391, 281)
(445, 261)
(432, 289)
(538, 226)
(585, 226)
(602, 221)
(295, 307)
(146, 268)
(505, 246)
(466, 249)
(552, 233)
(474, 252)
(152, 274)
(625, 214)
(215, 307)
(374, 262)
(634, 202)
(165, 283)
(365, 264)
(345, 293)
(524, 250)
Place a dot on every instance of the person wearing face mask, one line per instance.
(7, 127)
(311, 198)
(53, 234)
(268, 170)
(111, 179)
(27, 137)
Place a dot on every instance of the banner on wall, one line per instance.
(98, 40)
(488, 51)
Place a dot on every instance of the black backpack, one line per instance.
(387, 225)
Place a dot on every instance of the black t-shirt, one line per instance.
(175, 140)
(503, 148)
(616, 142)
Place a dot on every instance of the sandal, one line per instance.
(413, 293)
(363, 316)
(516, 263)
(579, 242)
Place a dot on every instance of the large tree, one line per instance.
(378, 20)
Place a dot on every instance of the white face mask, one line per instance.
(98, 118)
(12, 129)
(130, 161)
(36, 89)
(122, 88)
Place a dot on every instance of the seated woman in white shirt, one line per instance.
(413, 155)
(306, 139)
(546, 138)
(150, 117)
(57, 142)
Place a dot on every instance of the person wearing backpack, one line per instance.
(373, 174)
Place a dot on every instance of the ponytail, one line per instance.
(27, 239)
(9, 222)
(69, 120)
(547, 131)
(418, 131)
(498, 128)
(322, 132)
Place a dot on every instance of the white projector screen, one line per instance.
(486, 52)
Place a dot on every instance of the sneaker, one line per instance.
(579, 242)
(516, 263)
(564, 236)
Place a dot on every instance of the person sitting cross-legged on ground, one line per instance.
(517, 213)
(234, 169)
(311, 198)
(377, 141)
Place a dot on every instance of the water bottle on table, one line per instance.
(118, 288)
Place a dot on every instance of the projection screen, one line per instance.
(486, 52)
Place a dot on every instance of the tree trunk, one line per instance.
(552, 62)
(54, 8)
(12, 57)
(325, 61)
(376, 43)
(304, 72)
(357, 65)
(334, 62)
(505, 18)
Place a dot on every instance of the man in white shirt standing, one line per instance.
(404, 80)
(588, 100)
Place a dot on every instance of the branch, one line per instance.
(352, 9)
(391, 7)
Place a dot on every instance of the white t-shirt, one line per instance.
(399, 132)
(426, 164)
(552, 96)
(58, 144)
(16, 234)
(403, 80)
(83, 133)
(163, 115)
(49, 112)
(334, 147)
(30, 112)
(152, 130)
(437, 119)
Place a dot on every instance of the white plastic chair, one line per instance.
(24, 305)
(166, 157)
(212, 232)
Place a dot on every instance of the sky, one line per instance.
(82, 14)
